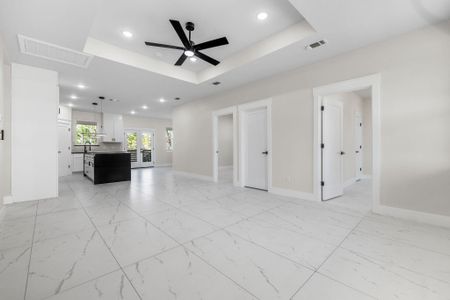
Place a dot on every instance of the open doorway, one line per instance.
(346, 137)
(347, 143)
(225, 145)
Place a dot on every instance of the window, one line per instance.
(86, 133)
(169, 139)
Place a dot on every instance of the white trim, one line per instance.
(412, 215)
(193, 175)
(292, 193)
(349, 182)
(157, 165)
(265, 103)
(8, 199)
(232, 110)
(373, 82)
(225, 167)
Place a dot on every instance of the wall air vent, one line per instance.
(53, 52)
(316, 44)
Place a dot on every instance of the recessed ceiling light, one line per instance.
(74, 97)
(193, 59)
(127, 34)
(162, 100)
(81, 86)
(144, 107)
(177, 98)
(132, 112)
(216, 83)
(70, 104)
(262, 16)
(189, 53)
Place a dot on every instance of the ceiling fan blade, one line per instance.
(164, 46)
(181, 34)
(181, 60)
(207, 58)
(211, 44)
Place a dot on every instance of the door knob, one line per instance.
(342, 152)
(357, 151)
(265, 152)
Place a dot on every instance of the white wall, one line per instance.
(415, 119)
(162, 157)
(34, 139)
(225, 138)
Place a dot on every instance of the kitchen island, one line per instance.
(106, 167)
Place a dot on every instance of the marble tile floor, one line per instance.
(167, 236)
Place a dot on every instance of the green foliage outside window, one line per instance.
(169, 139)
(86, 134)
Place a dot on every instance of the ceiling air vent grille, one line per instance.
(53, 52)
(316, 44)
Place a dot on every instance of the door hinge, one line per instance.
(322, 183)
(360, 124)
(322, 145)
(360, 169)
(322, 108)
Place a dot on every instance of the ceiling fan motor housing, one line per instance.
(190, 26)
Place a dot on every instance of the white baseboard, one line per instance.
(162, 165)
(8, 199)
(349, 182)
(194, 175)
(292, 193)
(225, 167)
(412, 215)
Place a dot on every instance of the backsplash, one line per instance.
(101, 147)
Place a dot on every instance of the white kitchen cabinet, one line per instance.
(113, 127)
(64, 113)
(77, 162)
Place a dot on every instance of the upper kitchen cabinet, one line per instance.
(113, 128)
(64, 113)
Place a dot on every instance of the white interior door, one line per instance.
(64, 153)
(256, 149)
(332, 150)
(359, 146)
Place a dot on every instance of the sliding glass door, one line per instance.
(140, 143)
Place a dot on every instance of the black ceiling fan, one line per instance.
(190, 48)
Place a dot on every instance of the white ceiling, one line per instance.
(346, 24)
(149, 21)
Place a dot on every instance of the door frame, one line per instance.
(138, 132)
(232, 110)
(374, 83)
(243, 110)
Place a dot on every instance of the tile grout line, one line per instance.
(182, 245)
(106, 245)
(328, 257)
(31, 251)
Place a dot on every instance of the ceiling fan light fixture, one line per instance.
(189, 53)
(193, 59)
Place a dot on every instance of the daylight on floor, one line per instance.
(224, 150)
